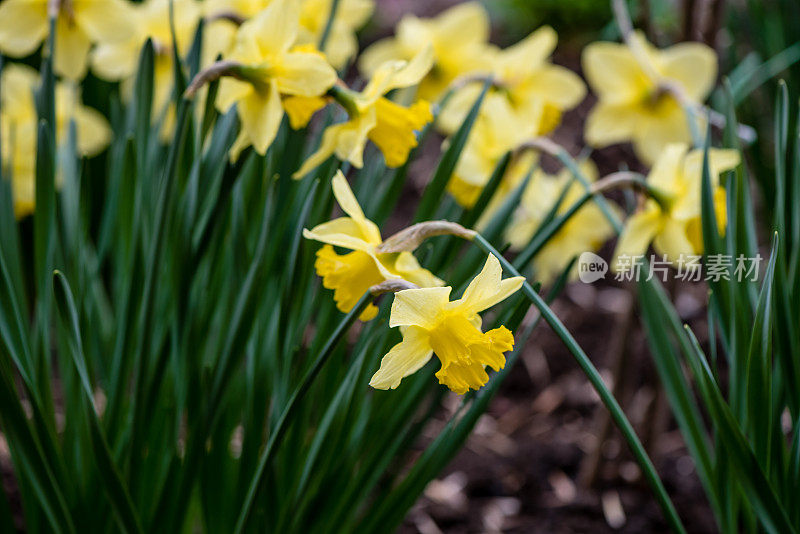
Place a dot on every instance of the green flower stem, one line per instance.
(345, 97)
(547, 146)
(597, 382)
(326, 32)
(277, 433)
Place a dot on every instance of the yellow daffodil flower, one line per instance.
(341, 44)
(24, 24)
(118, 60)
(495, 132)
(432, 324)
(534, 90)
(586, 230)
(636, 86)
(372, 116)
(269, 68)
(457, 36)
(675, 228)
(224, 17)
(351, 275)
(19, 129)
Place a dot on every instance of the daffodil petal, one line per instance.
(418, 307)
(231, 91)
(23, 26)
(693, 66)
(379, 53)
(261, 115)
(719, 161)
(557, 85)
(114, 61)
(405, 358)
(655, 133)
(528, 55)
(304, 74)
(93, 131)
(673, 241)
(368, 231)
(613, 72)
(342, 232)
(397, 74)
(666, 172)
(639, 231)
(608, 124)
(71, 50)
(463, 24)
(407, 266)
(18, 83)
(276, 27)
(106, 20)
(487, 289)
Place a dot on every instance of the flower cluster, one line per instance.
(278, 61)
(429, 321)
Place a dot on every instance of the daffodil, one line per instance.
(24, 24)
(432, 324)
(268, 67)
(673, 223)
(389, 125)
(457, 36)
(586, 230)
(18, 121)
(351, 275)
(636, 89)
(534, 90)
(117, 60)
(224, 16)
(341, 44)
(495, 132)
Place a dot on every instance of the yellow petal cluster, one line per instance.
(350, 275)
(433, 324)
(224, 16)
(491, 137)
(674, 229)
(533, 90)
(635, 86)
(24, 25)
(389, 125)
(586, 230)
(457, 38)
(272, 67)
(117, 60)
(18, 129)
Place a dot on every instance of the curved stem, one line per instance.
(547, 146)
(276, 436)
(599, 386)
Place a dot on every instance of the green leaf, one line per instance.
(599, 386)
(754, 482)
(112, 480)
(435, 189)
(280, 428)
